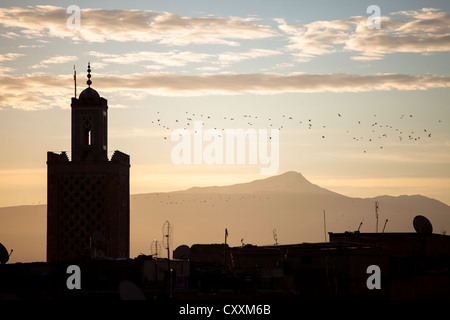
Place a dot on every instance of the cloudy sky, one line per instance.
(360, 110)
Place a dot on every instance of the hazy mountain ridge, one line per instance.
(290, 181)
(250, 211)
(416, 199)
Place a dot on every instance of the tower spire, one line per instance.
(75, 80)
(89, 82)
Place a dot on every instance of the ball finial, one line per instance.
(89, 82)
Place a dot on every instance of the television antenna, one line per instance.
(167, 241)
(275, 237)
(359, 226)
(155, 248)
(385, 223)
(167, 236)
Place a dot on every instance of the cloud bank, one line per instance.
(101, 25)
(423, 31)
(420, 31)
(176, 58)
(34, 92)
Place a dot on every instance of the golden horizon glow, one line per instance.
(361, 112)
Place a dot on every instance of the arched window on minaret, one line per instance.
(87, 137)
(87, 131)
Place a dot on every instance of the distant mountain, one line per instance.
(250, 211)
(287, 182)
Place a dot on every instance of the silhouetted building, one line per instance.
(88, 209)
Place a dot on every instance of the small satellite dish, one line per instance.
(182, 252)
(129, 291)
(4, 255)
(97, 244)
(97, 236)
(422, 225)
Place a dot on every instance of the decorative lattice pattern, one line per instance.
(83, 211)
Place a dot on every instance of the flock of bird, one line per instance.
(370, 131)
(165, 199)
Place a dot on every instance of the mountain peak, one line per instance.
(290, 176)
(289, 181)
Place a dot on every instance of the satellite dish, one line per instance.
(182, 252)
(129, 291)
(422, 225)
(97, 236)
(97, 244)
(4, 255)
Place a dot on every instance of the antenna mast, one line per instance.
(376, 214)
(155, 248)
(167, 239)
(359, 226)
(385, 223)
(275, 237)
(324, 226)
(75, 80)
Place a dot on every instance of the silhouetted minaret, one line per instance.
(89, 125)
(88, 194)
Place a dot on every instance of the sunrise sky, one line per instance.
(360, 111)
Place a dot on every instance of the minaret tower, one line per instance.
(89, 125)
(88, 208)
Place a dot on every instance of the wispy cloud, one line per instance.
(45, 91)
(8, 57)
(167, 58)
(33, 92)
(100, 25)
(228, 57)
(54, 60)
(177, 58)
(172, 84)
(422, 31)
(316, 38)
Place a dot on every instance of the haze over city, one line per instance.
(287, 203)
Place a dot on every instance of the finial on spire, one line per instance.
(89, 82)
(75, 80)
